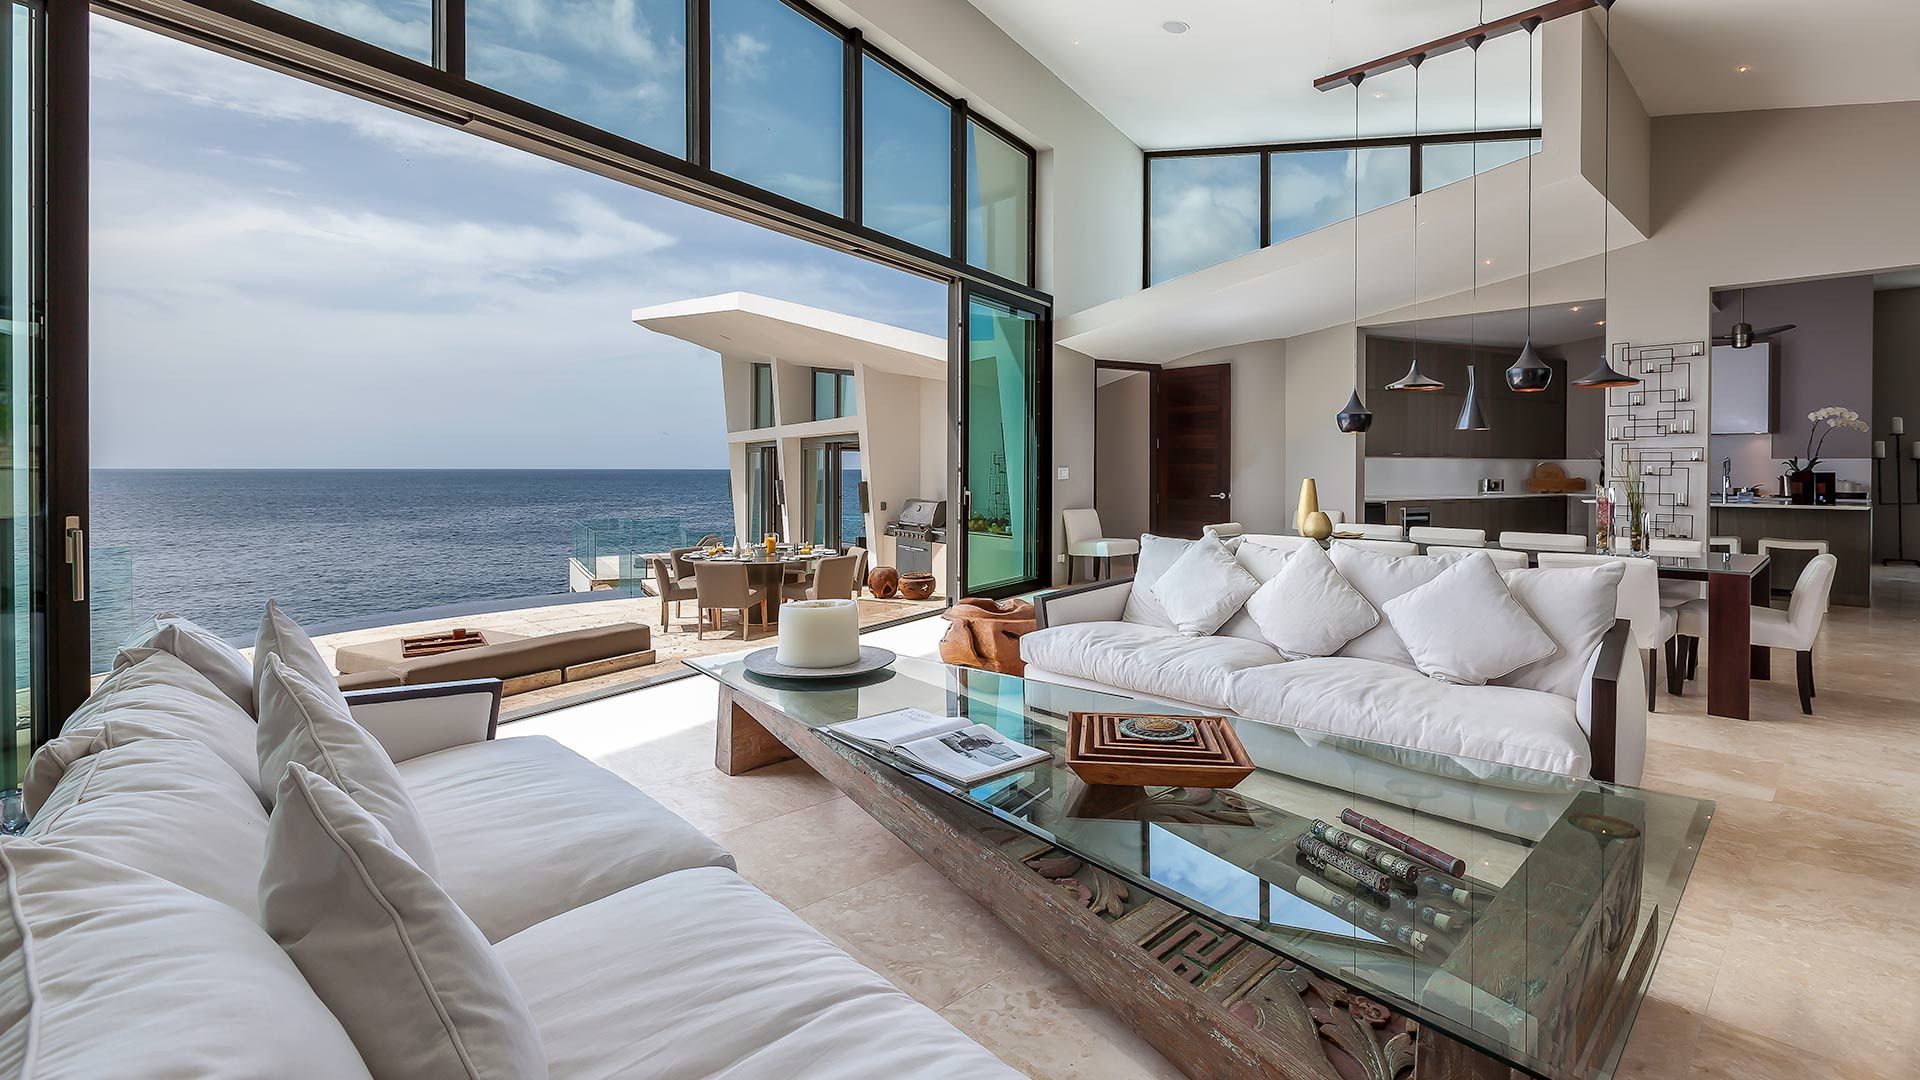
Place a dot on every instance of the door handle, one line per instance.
(1222, 495)
(76, 545)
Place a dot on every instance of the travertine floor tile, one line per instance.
(1037, 1021)
(715, 802)
(812, 854)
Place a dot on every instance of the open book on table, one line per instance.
(951, 746)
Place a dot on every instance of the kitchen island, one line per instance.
(1847, 527)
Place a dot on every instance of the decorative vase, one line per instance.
(1309, 504)
(884, 582)
(916, 586)
(1603, 520)
(1800, 486)
(1318, 526)
(986, 634)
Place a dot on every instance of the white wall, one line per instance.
(1073, 379)
(1321, 370)
(1262, 500)
(1751, 198)
(1123, 455)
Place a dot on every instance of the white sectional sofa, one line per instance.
(131, 943)
(1589, 720)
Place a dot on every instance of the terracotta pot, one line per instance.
(986, 634)
(884, 583)
(916, 586)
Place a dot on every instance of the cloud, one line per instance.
(742, 56)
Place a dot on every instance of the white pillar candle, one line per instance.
(819, 633)
(1899, 425)
(1879, 448)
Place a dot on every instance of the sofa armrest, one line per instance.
(1102, 601)
(411, 721)
(1612, 707)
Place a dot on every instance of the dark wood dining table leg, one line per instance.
(1729, 645)
(1761, 663)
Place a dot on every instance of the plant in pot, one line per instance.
(1802, 479)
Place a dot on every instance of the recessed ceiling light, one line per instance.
(1378, 94)
(1575, 307)
(1601, 322)
(1175, 26)
(1744, 68)
(1486, 262)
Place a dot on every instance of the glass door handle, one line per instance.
(77, 558)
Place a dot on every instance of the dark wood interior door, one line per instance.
(1192, 449)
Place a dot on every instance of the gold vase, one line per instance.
(1309, 504)
(1318, 527)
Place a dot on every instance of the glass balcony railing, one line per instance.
(610, 554)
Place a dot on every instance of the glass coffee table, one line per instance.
(1190, 913)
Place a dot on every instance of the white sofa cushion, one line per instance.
(1575, 606)
(724, 981)
(1146, 660)
(1157, 555)
(155, 692)
(1308, 609)
(302, 723)
(1464, 627)
(1386, 703)
(282, 637)
(201, 649)
(165, 805)
(1204, 587)
(1380, 578)
(107, 971)
(413, 981)
(524, 829)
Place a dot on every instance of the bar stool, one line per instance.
(1770, 544)
(1428, 534)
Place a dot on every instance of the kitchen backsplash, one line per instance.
(1392, 477)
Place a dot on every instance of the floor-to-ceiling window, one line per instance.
(832, 471)
(907, 158)
(777, 108)
(999, 203)
(1003, 516)
(763, 491)
(20, 393)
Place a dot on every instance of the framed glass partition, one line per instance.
(1003, 513)
(1206, 210)
(616, 64)
(999, 203)
(777, 110)
(401, 26)
(906, 154)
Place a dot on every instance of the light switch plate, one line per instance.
(1061, 473)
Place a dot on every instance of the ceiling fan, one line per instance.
(1744, 335)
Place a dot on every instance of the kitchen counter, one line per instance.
(1588, 494)
(1782, 504)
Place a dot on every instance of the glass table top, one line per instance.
(1568, 883)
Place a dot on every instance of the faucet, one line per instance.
(1726, 479)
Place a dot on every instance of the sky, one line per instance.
(288, 277)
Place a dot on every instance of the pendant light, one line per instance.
(1606, 376)
(1529, 374)
(1416, 380)
(1355, 419)
(1471, 418)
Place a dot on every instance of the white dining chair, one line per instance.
(1431, 534)
(1276, 541)
(1385, 547)
(1503, 560)
(1675, 593)
(1085, 541)
(1639, 604)
(1226, 530)
(1729, 544)
(1532, 541)
(1375, 532)
(1795, 628)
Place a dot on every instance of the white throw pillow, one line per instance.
(1576, 606)
(106, 971)
(282, 637)
(1308, 609)
(300, 723)
(1157, 556)
(1463, 626)
(413, 981)
(1204, 587)
(201, 649)
(1380, 577)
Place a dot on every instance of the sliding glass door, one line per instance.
(1002, 526)
(834, 516)
(22, 648)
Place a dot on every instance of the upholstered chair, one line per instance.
(669, 585)
(832, 580)
(1639, 604)
(722, 587)
(1795, 628)
(1466, 538)
(1085, 541)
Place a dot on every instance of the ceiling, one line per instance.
(1559, 324)
(1243, 71)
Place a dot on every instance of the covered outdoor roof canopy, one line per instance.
(747, 324)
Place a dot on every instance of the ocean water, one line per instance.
(332, 545)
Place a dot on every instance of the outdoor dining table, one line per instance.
(1735, 585)
(766, 571)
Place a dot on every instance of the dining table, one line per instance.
(766, 571)
(1736, 584)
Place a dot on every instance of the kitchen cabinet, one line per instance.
(1529, 426)
(1495, 515)
(1746, 390)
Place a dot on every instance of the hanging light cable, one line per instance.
(1471, 418)
(1415, 379)
(1529, 374)
(1606, 376)
(1355, 419)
